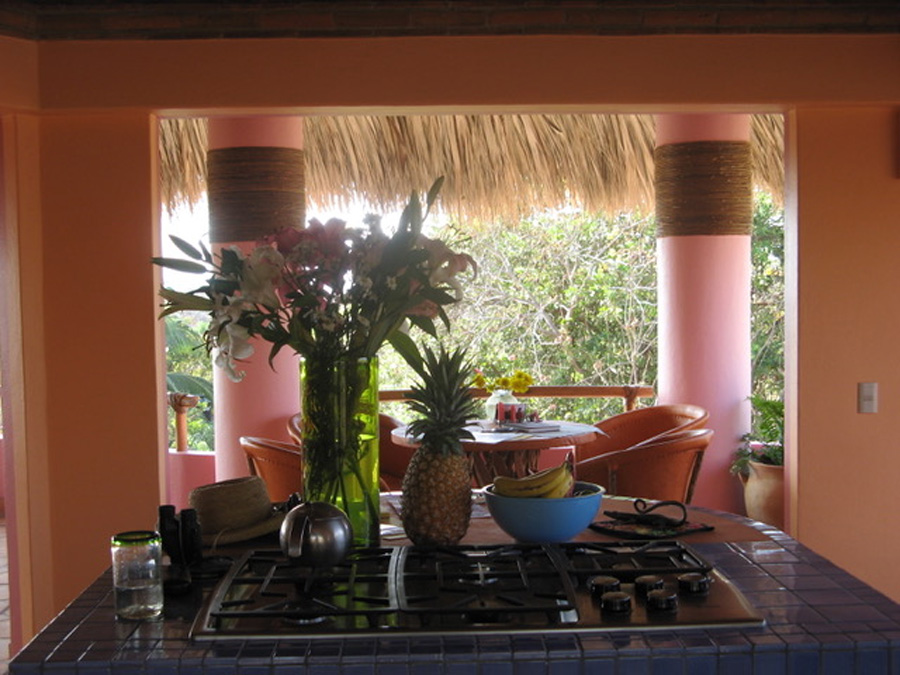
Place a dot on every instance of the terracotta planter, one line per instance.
(764, 493)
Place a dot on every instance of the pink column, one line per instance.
(260, 404)
(704, 272)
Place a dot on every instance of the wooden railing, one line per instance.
(628, 393)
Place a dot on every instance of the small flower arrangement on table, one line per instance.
(501, 405)
(517, 383)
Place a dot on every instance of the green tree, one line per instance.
(767, 299)
(189, 371)
(571, 298)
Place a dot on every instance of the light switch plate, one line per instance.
(867, 397)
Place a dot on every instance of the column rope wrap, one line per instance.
(703, 188)
(254, 191)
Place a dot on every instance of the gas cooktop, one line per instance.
(523, 588)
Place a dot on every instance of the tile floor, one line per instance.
(4, 599)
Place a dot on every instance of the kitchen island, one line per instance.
(818, 619)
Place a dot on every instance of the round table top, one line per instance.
(562, 433)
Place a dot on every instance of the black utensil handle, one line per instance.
(169, 532)
(191, 541)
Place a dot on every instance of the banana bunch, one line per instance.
(549, 483)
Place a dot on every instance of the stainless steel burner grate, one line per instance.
(472, 589)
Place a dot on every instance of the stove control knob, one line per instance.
(662, 600)
(646, 583)
(615, 602)
(693, 583)
(602, 584)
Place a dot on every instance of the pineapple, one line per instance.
(436, 503)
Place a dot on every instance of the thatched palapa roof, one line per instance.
(495, 165)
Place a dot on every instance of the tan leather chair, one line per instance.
(665, 468)
(279, 464)
(642, 425)
(392, 458)
(293, 428)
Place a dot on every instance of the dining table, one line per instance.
(512, 450)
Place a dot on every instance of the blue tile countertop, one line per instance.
(819, 619)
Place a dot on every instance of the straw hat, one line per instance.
(234, 510)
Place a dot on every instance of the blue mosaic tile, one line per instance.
(104, 669)
(736, 664)
(852, 627)
(597, 645)
(214, 669)
(732, 642)
(252, 669)
(832, 640)
(666, 665)
(324, 669)
(421, 669)
(759, 583)
(600, 666)
(698, 643)
(799, 614)
(803, 660)
(291, 650)
(868, 640)
(628, 644)
(635, 665)
(460, 648)
(776, 598)
(528, 647)
(224, 651)
(850, 613)
(526, 667)
(779, 570)
(662, 643)
(281, 669)
(392, 669)
(496, 647)
(369, 669)
(155, 667)
(768, 553)
(564, 667)
(809, 583)
(493, 668)
(257, 651)
(830, 596)
(426, 648)
(321, 653)
(770, 662)
(838, 662)
(561, 646)
(125, 669)
(697, 664)
(390, 650)
(358, 650)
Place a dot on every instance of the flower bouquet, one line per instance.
(333, 294)
(501, 405)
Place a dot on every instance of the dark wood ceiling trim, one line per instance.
(142, 19)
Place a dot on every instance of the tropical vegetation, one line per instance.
(570, 298)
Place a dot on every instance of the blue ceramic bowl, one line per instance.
(542, 520)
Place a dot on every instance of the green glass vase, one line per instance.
(339, 430)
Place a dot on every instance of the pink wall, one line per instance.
(848, 319)
(185, 471)
(92, 436)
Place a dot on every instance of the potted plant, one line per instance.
(759, 462)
